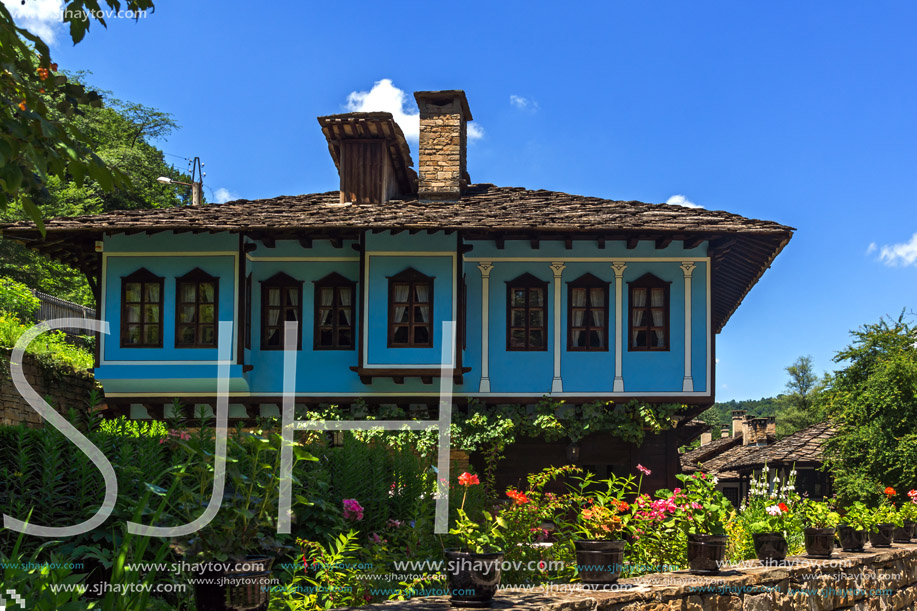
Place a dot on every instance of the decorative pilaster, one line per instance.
(485, 267)
(688, 268)
(557, 384)
(619, 267)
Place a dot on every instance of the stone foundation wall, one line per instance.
(876, 579)
(63, 389)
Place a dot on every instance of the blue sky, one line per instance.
(801, 113)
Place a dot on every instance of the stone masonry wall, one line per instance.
(63, 389)
(875, 579)
(442, 149)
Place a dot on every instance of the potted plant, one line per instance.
(885, 520)
(705, 510)
(856, 522)
(600, 525)
(240, 542)
(820, 520)
(908, 513)
(473, 570)
(768, 528)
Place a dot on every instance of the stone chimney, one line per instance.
(705, 438)
(757, 428)
(738, 418)
(724, 431)
(444, 117)
(771, 427)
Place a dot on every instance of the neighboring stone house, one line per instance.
(578, 298)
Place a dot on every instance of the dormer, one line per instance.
(371, 155)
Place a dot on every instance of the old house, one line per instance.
(575, 297)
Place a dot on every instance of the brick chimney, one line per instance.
(771, 427)
(444, 117)
(705, 438)
(724, 431)
(757, 431)
(738, 417)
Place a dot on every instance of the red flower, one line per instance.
(519, 498)
(467, 479)
(890, 491)
(783, 507)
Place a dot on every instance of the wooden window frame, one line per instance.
(334, 281)
(526, 281)
(196, 276)
(280, 280)
(411, 277)
(247, 313)
(648, 281)
(587, 281)
(142, 276)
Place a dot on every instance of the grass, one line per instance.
(50, 348)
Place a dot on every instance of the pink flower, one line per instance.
(395, 523)
(375, 538)
(643, 470)
(352, 510)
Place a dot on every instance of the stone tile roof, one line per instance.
(690, 460)
(741, 248)
(802, 447)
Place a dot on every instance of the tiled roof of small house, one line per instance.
(741, 248)
(703, 453)
(802, 447)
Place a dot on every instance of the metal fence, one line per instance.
(55, 307)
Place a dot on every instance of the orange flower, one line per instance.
(519, 498)
(22, 105)
(890, 491)
(467, 479)
(783, 507)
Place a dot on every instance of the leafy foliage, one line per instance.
(51, 349)
(17, 300)
(873, 403)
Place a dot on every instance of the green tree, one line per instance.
(35, 144)
(123, 134)
(873, 403)
(800, 406)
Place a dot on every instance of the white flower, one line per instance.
(773, 510)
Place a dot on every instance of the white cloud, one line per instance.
(475, 131)
(223, 195)
(44, 18)
(523, 103)
(872, 248)
(897, 254)
(385, 97)
(681, 200)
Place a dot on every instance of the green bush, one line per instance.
(17, 299)
(51, 348)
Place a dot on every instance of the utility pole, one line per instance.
(197, 186)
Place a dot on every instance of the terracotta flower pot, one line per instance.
(599, 562)
(230, 590)
(473, 578)
(852, 540)
(882, 536)
(819, 542)
(706, 553)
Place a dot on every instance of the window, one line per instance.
(141, 310)
(247, 312)
(526, 316)
(334, 313)
(587, 314)
(281, 302)
(649, 314)
(196, 310)
(410, 310)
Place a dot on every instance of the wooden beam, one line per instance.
(692, 243)
(269, 242)
(305, 242)
(251, 247)
(663, 242)
(535, 243)
(632, 243)
(601, 242)
(336, 242)
(357, 246)
(501, 243)
(568, 243)
(466, 248)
